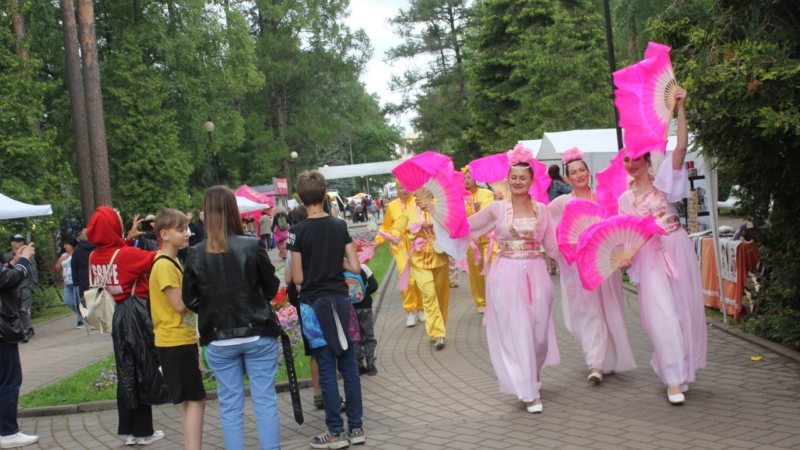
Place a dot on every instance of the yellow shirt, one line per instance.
(171, 328)
(427, 258)
(482, 197)
(394, 210)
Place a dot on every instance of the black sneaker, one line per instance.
(362, 369)
(328, 440)
(31, 332)
(371, 370)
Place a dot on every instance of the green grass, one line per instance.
(714, 313)
(379, 263)
(73, 389)
(53, 312)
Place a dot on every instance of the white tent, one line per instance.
(12, 209)
(246, 205)
(359, 170)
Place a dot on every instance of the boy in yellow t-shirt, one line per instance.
(175, 327)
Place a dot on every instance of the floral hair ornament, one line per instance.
(465, 169)
(519, 156)
(572, 155)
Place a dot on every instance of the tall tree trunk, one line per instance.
(18, 28)
(632, 40)
(83, 153)
(94, 105)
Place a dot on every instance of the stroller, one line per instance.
(359, 215)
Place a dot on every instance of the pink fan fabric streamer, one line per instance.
(390, 237)
(476, 253)
(541, 182)
(366, 255)
(612, 182)
(405, 277)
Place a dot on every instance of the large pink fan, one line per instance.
(431, 178)
(645, 99)
(612, 182)
(605, 244)
(578, 216)
(492, 170)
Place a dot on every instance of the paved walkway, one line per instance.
(428, 399)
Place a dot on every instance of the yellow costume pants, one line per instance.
(435, 287)
(477, 282)
(412, 297)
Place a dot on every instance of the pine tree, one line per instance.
(540, 66)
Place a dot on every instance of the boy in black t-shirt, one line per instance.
(322, 250)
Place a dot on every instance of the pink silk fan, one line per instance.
(431, 178)
(605, 244)
(492, 170)
(645, 99)
(578, 216)
(612, 182)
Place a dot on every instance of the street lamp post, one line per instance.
(208, 127)
(293, 155)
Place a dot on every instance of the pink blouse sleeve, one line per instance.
(674, 183)
(556, 207)
(485, 220)
(548, 228)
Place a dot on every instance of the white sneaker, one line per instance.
(481, 310)
(411, 319)
(157, 436)
(421, 315)
(130, 440)
(534, 408)
(684, 388)
(17, 440)
(597, 377)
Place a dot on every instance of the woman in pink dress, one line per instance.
(519, 291)
(666, 268)
(596, 318)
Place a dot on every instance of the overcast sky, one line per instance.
(373, 16)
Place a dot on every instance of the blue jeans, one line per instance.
(10, 382)
(260, 361)
(327, 362)
(72, 297)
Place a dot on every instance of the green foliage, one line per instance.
(435, 30)
(539, 66)
(274, 77)
(740, 61)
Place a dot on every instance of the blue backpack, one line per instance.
(355, 287)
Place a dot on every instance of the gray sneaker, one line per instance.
(328, 440)
(157, 436)
(357, 436)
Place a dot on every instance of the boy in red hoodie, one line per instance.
(140, 381)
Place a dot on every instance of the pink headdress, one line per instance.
(571, 155)
(519, 156)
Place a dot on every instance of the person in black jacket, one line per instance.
(12, 332)
(80, 264)
(365, 348)
(229, 282)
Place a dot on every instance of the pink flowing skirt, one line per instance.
(519, 324)
(673, 315)
(597, 320)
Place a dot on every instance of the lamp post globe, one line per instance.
(293, 155)
(208, 126)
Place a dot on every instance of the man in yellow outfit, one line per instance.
(477, 282)
(412, 298)
(428, 269)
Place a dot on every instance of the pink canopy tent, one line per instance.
(251, 194)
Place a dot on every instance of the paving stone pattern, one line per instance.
(449, 399)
